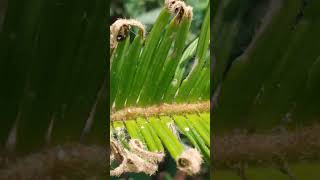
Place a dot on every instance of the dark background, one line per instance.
(53, 78)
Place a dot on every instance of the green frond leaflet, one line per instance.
(144, 127)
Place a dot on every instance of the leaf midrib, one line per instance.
(157, 110)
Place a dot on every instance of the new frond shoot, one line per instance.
(159, 95)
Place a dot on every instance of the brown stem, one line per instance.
(164, 109)
(74, 160)
(294, 145)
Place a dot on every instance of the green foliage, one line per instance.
(156, 132)
(266, 80)
(147, 11)
(52, 67)
(265, 84)
(163, 68)
(161, 71)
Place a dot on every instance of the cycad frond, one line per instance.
(159, 91)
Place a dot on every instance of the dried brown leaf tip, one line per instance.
(136, 159)
(179, 8)
(190, 161)
(138, 148)
(119, 30)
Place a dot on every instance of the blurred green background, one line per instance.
(53, 74)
